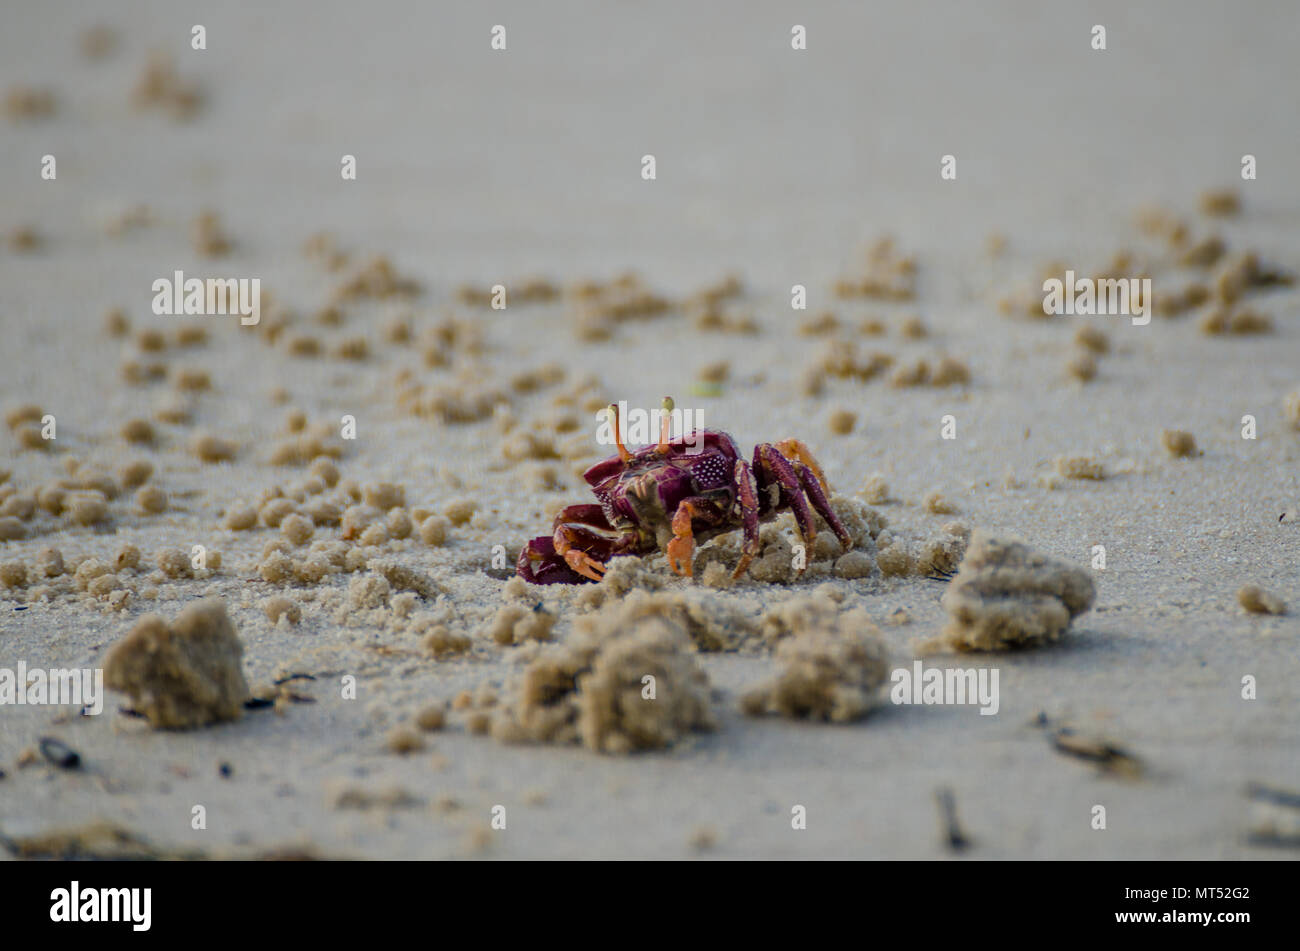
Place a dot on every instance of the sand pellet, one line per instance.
(25, 239)
(139, 431)
(275, 511)
(173, 562)
(1258, 601)
(368, 591)
(1082, 367)
(26, 102)
(1291, 408)
(151, 500)
(1092, 338)
(950, 372)
(383, 495)
(1178, 443)
(842, 421)
(936, 504)
(516, 624)
(1220, 203)
(916, 373)
(26, 413)
(297, 528)
(50, 498)
(86, 508)
(49, 563)
(191, 335)
(116, 323)
(192, 379)
(210, 448)
(433, 530)
(135, 473)
(854, 565)
(913, 328)
(240, 518)
(875, 490)
(13, 574)
(128, 558)
(31, 437)
(103, 586)
(404, 578)
(1242, 322)
(20, 504)
(326, 470)
(324, 512)
(279, 606)
(398, 524)
(1204, 253)
(1079, 467)
(210, 239)
(431, 718)
(276, 568)
(311, 570)
(460, 511)
(442, 642)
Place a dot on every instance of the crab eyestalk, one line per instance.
(665, 425)
(623, 454)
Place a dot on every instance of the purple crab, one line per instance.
(668, 496)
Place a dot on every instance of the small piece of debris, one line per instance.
(58, 753)
(1107, 755)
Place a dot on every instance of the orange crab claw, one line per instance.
(584, 564)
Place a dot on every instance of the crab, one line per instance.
(674, 494)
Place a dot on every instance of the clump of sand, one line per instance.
(183, 675)
(710, 623)
(517, 624)
(830, 666)
(636, 688)
(902, 555)
(1007, 595)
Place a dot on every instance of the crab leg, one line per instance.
(811, 484)
(682, 547)
(747, 496)
(769, 462)
(797, 451)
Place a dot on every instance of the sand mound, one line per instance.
(185, 674)
(830, 667)
(1007, 595)
(632, 689)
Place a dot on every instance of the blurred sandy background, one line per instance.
(477, 166)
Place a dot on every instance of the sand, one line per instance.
(779, 167)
